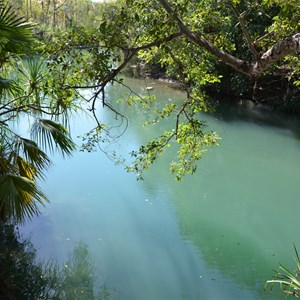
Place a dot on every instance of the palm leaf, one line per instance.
(8, 87)
(35, 159)
(15, 33)
(33, 70)
(4, 164)
(52, 136)
(26, 169)
(31, 75)
(297, 258)
(19, 197)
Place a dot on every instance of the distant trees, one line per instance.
(54, 14)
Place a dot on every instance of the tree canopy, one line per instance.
(204, 45)
(197, 43)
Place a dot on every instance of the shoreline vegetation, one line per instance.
(242, 51)
(271, 96)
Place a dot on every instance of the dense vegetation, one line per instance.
(236, 36)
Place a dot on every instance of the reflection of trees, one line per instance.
(23, 277)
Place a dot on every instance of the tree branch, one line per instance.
(245, 31)
(288, 46)
(236, 63)
(159, 41)
(131, 52)
(258, 40)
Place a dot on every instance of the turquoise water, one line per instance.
(217, 235)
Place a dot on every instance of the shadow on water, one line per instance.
(230, 252)
(23, 277)
(259, 115)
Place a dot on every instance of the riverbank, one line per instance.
(272, 93)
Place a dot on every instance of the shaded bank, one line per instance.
(275, 92)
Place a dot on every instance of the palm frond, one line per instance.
(15, 33)
(19, 197)
(26, 169)
(33, 69)
(35, 157)
(52, 136)
(6, 157)
(8, 87)
(30, 74)
(5, 166)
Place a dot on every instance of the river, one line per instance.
(217, 235)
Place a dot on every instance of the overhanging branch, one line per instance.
(288, 46)
(236, 63)
(245, 31)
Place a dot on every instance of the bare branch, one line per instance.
(245, 31)
(258, 40)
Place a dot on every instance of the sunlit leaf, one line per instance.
(33, 154)
(52, 136)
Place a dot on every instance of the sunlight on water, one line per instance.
(217, 235)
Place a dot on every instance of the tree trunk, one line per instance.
(288, 46)
(54, 13)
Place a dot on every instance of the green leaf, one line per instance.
(52, 136)
(33, 154)
(19, 197)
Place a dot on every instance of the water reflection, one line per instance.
(22, 276)
(217, 235)
(260, 116)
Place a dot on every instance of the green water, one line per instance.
(217, 235)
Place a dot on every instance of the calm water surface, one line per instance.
(217, 235)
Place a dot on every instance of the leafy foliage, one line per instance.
(22, 161)
(16, 36)
(167, 33)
